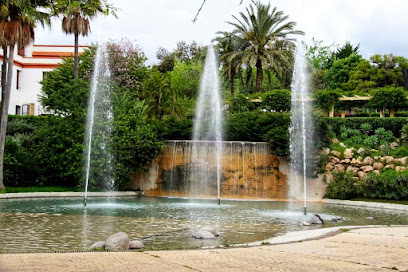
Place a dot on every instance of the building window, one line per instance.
(25, 109)
(18, 79)
(18, 110)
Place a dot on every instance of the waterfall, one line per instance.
(301, 129)
(207, 131)
(99, 126)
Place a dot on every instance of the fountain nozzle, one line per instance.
(305, 210)
(84, 201)
(219, 201)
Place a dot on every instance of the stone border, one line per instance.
(377, 205)
(68, 194)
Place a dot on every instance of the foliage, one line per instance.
(342, 186)
(277, 100)
(346, 50)
(185, 78)
(240, 103)
(326, 99)
(339, 72)
(388, 185)
(319, 55)
(388, 97)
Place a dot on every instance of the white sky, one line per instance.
(379, 26)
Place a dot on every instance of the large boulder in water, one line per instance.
(98, 245)
(203, 234)
(316, 219)
(211, 229)
(136, 244)
(117, 241)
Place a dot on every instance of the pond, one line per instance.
(163, 223)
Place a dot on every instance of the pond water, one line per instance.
(64, 224)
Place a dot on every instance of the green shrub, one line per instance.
(342, 186)
(240, 103)
(277, 100)
(371, 141)
(388, 185)
(366, 128)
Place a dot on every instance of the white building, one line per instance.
(30, 67)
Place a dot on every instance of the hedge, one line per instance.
(393, 124)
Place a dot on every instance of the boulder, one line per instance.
(361, 175)
(342, 145)
(211, 229)
(389, 166)
(117, 241)
(353, 169)
(399, 168)
(316, 219)
(345, 161)
(388, 159)
(329, 167)
(334, 160)
(378, 165)
(368, 160)
(135, 244)
(335, 153)
(361, 150)
(348, 153)
(98, 245)
(335, 141)
(203, 234)
(337, 219)
(402, 161)
(325, 151)
(355, 162)
(339, 168)
(393, 145)
(367, 168)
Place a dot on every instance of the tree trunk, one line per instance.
(382, 112)
(76, 56)
(4, 112)
(331, 112)
(3, 74)
(259, 76)
(392, 113)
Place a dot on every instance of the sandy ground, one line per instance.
(365, 249)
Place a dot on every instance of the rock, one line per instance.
(335, 153)
(374, 150)
(339, 168)
(378, 165)
(135, 244)
(211, 229)
(342, 145)
(355, 178)
(388, 159)
(361, 175)
(329, 167)
(376, 158)
(367, 168)
(203, 234)
(306, 223)
(389, 166)
(316, 219)
(353, 169)
(325, 151)
(355, 162)
(383, 147)
(377, 172)
(399, 168)
(345, 161)
(361, 150)
(393, 145)
(98, 245)
(337, 219)
(368, 160)
(334, 160)
(402, 161)
(335, 141)
(117, 241)
(348, 153)
(370, 218)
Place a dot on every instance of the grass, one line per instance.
(32, 189)
(403, 202)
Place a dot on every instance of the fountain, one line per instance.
(207, 131)
(301, 127)
(98, 149)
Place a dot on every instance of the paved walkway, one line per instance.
(366, 249)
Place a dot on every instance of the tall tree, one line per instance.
(77, 15)
(268, 37)
(17, 23)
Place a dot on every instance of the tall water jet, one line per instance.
(99, 165)
(207, 130)
(301, 129)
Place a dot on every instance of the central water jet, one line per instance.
(207, 131)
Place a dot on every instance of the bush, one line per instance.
(277, 100)
(392, 124)
(342, 186)
(240, 103)
(388, 185)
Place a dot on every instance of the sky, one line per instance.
(379, 26)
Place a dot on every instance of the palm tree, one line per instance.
(17, 23)
(77, 15)
(268, 40)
